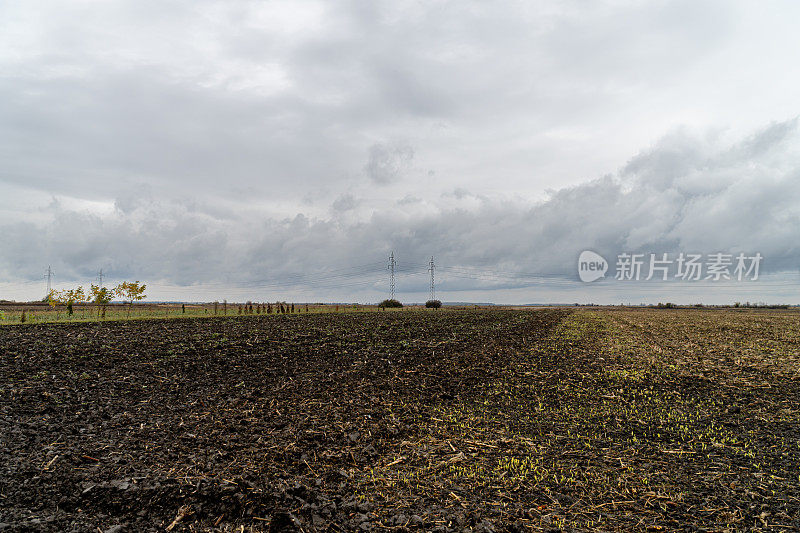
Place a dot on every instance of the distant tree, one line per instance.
(433, 304)
(66, 298)
(53, 298)
(72, 296)
(292, 307)
(101, 296)
(133, 291)
(390, 303)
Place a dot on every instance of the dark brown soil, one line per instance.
(445, 420)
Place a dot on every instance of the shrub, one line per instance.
(390, 303)
(433, 304)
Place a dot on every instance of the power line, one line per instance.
(325, 278)
(369, 276)
(338, 273)
(499, 276)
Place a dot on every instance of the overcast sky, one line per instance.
(281, 150)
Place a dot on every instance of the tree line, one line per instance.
(129, 291)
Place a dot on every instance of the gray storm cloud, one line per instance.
(387, 162)
(684, 193)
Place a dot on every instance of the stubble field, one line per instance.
(482, 420)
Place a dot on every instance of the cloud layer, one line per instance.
(244, 143)
(685, 193)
